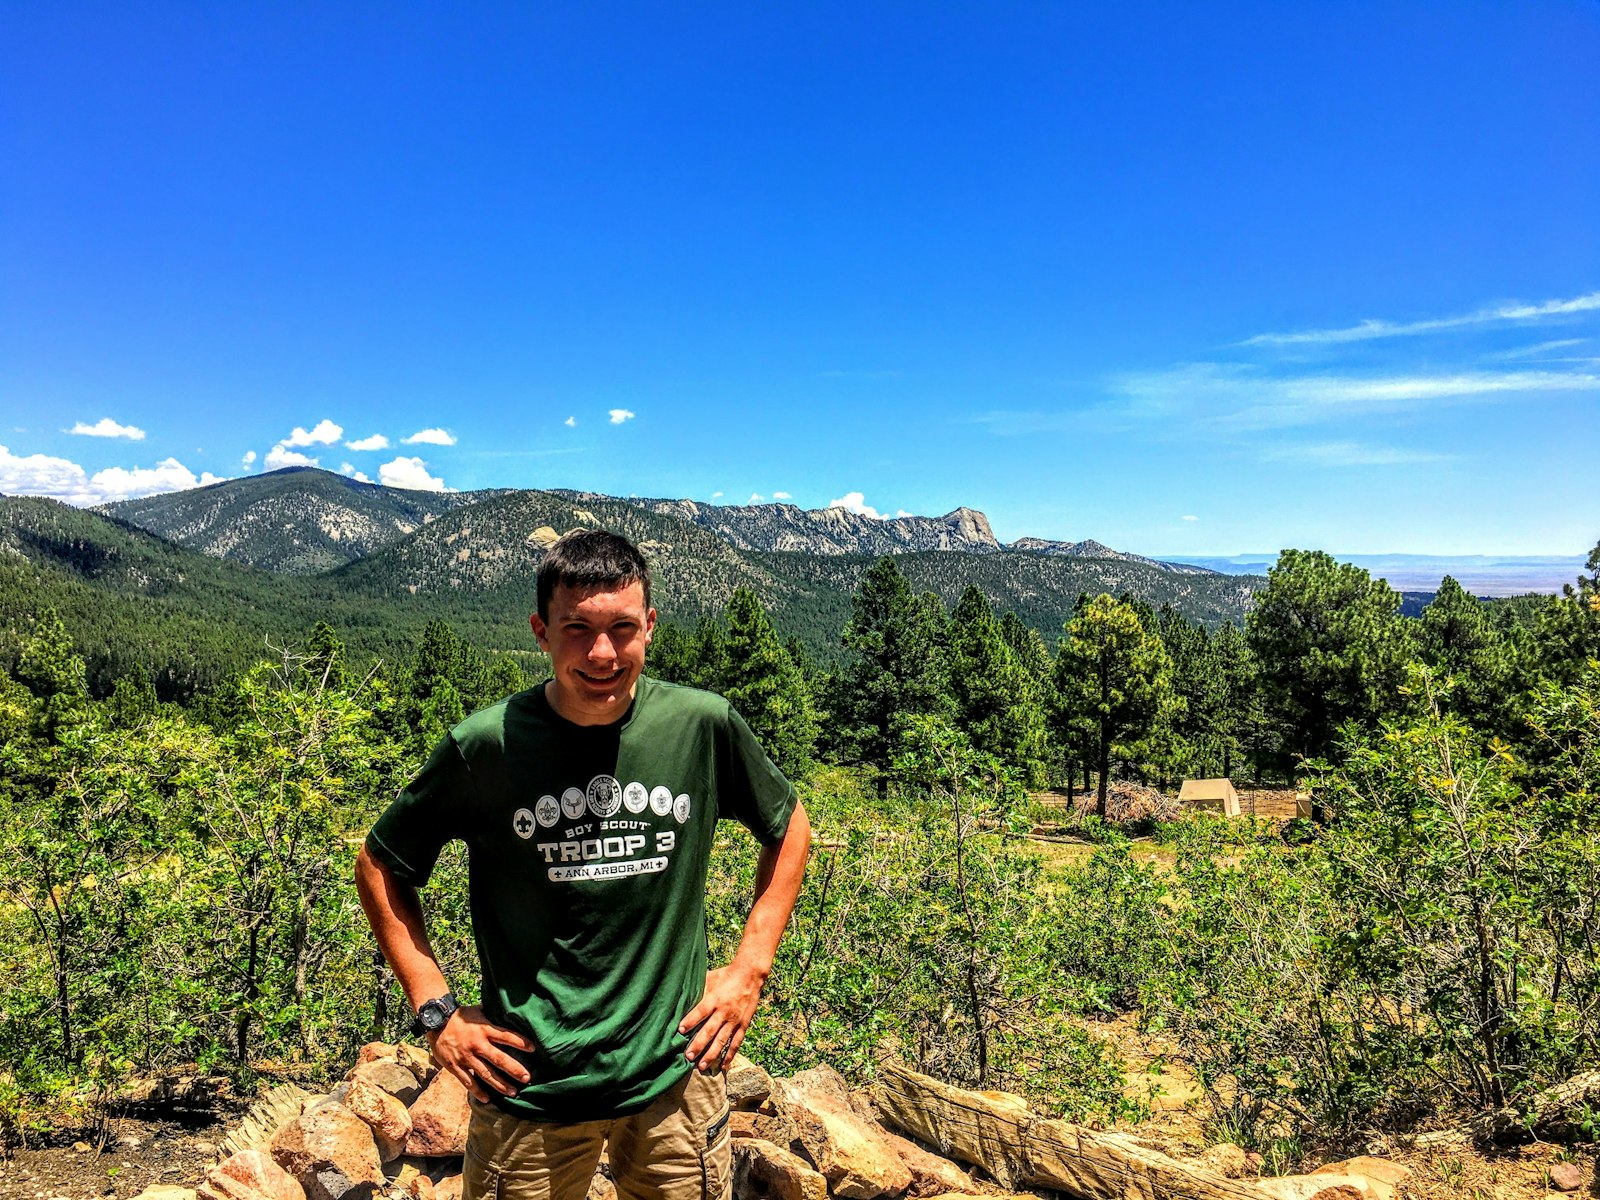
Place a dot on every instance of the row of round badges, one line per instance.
(604, 796)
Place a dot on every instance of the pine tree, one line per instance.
(994, 697)
(766, 688)
(1115, 679)
(1456, 638)
(900, 667)
(54, 675)
(1331, 647)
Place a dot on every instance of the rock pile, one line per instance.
(396, 1128)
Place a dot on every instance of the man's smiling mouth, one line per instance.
(601, 680)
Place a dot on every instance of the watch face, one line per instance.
(433, 1016)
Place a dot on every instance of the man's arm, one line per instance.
(732, 992)
(469, 1045)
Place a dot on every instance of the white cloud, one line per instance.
(62, 479)
(1372, 328)
(571, 422)
(249, 457)
(326, 433)
(107, 428)
(716, 495)
(278, 458)
(349, 470)
(410, 473)
(755, 498)
(619, 415)
(905, 512)
(1188, 517)
(856, 502)
(782, 496)
(430, 437)
(376, 442)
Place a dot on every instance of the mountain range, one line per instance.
(202, 581)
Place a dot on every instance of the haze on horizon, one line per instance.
(1189, 283)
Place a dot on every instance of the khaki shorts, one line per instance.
(677, 1149)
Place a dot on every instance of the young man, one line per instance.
(589, 806)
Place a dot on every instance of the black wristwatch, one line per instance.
(431, 1017)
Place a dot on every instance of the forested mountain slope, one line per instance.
(297, 521)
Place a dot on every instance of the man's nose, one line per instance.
(601, 647)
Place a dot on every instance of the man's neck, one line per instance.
(553, 697)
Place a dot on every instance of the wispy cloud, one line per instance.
(619, 415)
(249, 457)
(1189, 517)
(1349, 454)
(571, 422)
(105, 427)
(755, 498)
(782, 496)
(1244, 397)
(1375, 328)
(430, 437)
(1540, 348)
(376, 442)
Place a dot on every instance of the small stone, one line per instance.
(82, 1147)
(930, 1174)
(1227, 1160)
(390, 1076)
(418, 1061)
(776, 1128)
(762, 1171)
(249, 1175)
(1384, 1176)
(749, 1086)
(163, 1191)
(601, 1187)
(1566, 1176)
(374, 1051)
(448, 1188)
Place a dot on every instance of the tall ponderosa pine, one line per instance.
(1458, 640)
(1331, 645)
(899, 668)
(766, 688)
(996, 702)
(1115, 678)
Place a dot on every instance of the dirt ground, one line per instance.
(133, 1155)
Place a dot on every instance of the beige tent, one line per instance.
(1211, 795)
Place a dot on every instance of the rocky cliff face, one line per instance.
(833, 530)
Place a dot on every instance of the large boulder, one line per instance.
(331, 1151)
(439, 1119)
(854, 1156)
(249, 1175)
(384, 1114)
(763, 1171)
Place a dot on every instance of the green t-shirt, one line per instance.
(588, 847)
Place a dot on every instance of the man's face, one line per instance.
(596, 641)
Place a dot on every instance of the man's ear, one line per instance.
(539, 631)
(649, 626)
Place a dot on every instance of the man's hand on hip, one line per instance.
(469, 1047)
(722, 1016)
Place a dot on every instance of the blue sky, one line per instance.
(1182, 278)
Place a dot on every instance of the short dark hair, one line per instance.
(591, 558)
